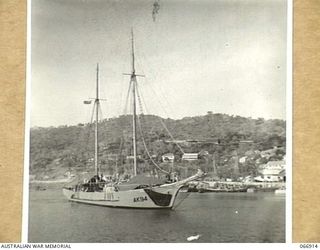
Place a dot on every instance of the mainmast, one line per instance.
(96, 103)
(133, 84)
(134, 120)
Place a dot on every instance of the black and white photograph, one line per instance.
(158, 121)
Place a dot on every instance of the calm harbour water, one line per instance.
(218, 217)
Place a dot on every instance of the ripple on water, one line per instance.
(260, 218)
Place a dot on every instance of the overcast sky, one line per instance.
(224, 56)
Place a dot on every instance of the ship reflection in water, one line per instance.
(217, 217)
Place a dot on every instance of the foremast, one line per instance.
(134, 116)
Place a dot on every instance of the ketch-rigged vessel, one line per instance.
(98, 192)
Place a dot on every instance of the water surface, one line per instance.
(218, 217)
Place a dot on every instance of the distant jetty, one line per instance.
(64, 180)
(233, 187)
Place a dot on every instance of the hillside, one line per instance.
(55, 150)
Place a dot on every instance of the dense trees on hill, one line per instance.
(55, 150)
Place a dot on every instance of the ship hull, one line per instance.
(148, 198)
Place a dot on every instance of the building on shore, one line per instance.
(190, 156)
(169, 157)
(273, 171)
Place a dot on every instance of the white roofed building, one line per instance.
(272, 171)
(190, 156)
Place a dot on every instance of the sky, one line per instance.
(224, 56)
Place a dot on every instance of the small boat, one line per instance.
(40, 188)
(251, 190)
(280, 191)
(133, 194)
